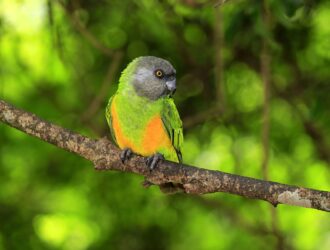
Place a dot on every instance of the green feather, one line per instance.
(173, 125)
(109, 119)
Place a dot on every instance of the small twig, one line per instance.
(84, 32)
(193, 180)
(220, 3)
(218, 46)
(265, 71)
(310, 126)
(222, 209)
(203, 116)
(105, 86)
(265, 75)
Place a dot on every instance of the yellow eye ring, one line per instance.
(159, 73)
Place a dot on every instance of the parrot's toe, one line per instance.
(125, 155)
(153, 160)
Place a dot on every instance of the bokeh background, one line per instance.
(253, 93)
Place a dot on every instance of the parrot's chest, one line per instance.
(139, 128)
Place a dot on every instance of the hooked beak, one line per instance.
(171, 86)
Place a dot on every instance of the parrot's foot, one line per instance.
(125, 155)
(153, 160)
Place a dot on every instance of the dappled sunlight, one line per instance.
(31, 45)
(66, 231)
(24, 16)
(244, 88)
(250, 155)
(317, 54)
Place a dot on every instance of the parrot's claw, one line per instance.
(125, 155)
(153, 160)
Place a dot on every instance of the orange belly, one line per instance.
(154, 136)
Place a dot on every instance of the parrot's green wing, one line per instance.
(109, 119)
(173, 125)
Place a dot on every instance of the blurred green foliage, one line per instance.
(55, 62)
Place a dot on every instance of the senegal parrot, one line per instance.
(142, 116)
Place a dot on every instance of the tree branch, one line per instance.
(105, 156)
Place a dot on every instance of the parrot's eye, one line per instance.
(159, 73)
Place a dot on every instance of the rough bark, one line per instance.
(193, 180)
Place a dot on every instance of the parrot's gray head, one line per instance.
(153, 77)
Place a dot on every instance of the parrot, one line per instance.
(142, 116)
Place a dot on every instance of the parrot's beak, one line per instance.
(171, 86)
